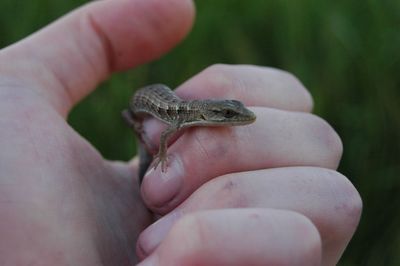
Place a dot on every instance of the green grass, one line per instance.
(345, 52)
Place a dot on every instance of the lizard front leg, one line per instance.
(161, 157)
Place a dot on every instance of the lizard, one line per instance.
(159, 101)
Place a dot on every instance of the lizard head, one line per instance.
(226, 112)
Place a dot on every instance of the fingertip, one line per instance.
(160, 189)
(159, 23)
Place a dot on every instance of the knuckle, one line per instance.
(217, 68)
(287, 76)
(348, 207)
(219, 74)
(327, 140)
(293, 82)
(218, 77)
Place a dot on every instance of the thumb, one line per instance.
(67, 59)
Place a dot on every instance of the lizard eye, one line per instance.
(229, 113)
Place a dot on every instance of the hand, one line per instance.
(61, 203)
(263, 194)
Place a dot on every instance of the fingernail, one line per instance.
(159, 187)
(150, 238)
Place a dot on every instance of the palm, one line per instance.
(67, 190)
(61, 203)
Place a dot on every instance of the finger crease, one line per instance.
(105, 42)
(201, 146)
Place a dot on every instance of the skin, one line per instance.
(61, 203)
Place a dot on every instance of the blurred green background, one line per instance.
(346, 52)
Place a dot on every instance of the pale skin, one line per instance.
(262, 194)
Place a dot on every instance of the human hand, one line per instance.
(263, 194)
(61, 203)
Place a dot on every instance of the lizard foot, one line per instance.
(163, 159)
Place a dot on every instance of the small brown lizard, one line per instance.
(162, 103)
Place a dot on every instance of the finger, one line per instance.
(326, 197)
(67, 59)
(239, 237)
(277, 139)
(254, 85)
